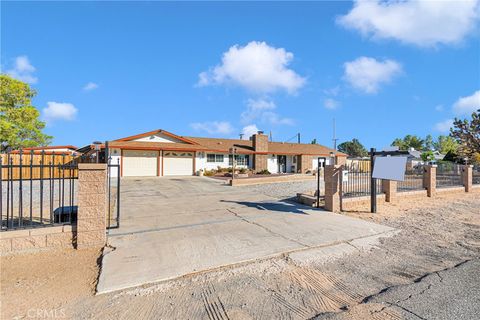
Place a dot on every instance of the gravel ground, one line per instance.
(286, 190)
(393, 279)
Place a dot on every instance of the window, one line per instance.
(214, 158)
(242, 160)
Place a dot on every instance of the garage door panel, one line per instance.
(178, 163)
(138, 163)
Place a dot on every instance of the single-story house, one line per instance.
(67, 150)
(162, 153)
(414, 157)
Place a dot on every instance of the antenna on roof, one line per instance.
(334, 136)
(241, 136)
(295, 136)
(271, 139)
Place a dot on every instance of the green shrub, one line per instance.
(264, 171)
(242, 170)
(209, 173)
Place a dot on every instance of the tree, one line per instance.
(428, 156)
(19, 120)
(314, 141)
(410, 141)
(353, 148)
(428, 142)
(446, 144)
(467, 134)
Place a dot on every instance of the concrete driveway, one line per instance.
(180, 225)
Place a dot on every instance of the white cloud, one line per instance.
(367, 74)
(467, 105)
(419, 22)
(262, 109)
(249, 130)
(256, 67)
(444, 126)
(59, 111)
(331, 104)
(213, 127)
(439, 108)
(275, 119)
(23, 70)
(90, 86)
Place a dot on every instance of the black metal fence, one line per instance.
(37, 193)
(113, 189)
(449, 174)
(414, 179)
(476, 174)
(356, 181)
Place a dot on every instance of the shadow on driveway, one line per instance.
(270, 206)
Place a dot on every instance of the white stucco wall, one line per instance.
(159, 137)
(201, 162)
(315, 161)
(114, 155)
(272, 163)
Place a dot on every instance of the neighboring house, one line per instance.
(415, 157)
(67, 150)
(161, 153)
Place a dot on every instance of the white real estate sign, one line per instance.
(390, 168)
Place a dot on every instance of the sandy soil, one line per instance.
(435, 234)
(40, 285)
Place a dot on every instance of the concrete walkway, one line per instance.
(176, 226)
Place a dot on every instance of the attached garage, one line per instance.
(140, 163)
(177, 163)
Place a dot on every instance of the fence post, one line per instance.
(92, 205)
(389, 187)
(430, 179)
(332, 178)
(467, 177)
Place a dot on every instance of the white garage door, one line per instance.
(177, 163)
(138, 163)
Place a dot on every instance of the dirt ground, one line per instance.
(434, 234)
(41, 285)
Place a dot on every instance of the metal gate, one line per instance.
(113, 203)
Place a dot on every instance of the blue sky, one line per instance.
(112, 69)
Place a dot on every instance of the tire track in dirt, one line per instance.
(328, 294)
(213, 305)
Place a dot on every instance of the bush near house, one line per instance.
(264, 171)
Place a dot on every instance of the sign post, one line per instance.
(373, 183)
(389, 168)
(318, 182)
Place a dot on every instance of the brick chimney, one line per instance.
(260, 144)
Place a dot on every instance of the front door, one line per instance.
(282, 164)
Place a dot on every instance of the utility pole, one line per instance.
(334, 136)
(241, 136)
(271, 139)
(299, 137)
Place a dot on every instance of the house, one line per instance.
(67, 150)
(414, 158)
(161, 153)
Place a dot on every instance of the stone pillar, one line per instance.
(430, 179)
(92, 205)
(333, 175)
(390, 189)
(467, 177)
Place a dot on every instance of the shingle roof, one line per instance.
(224, 145)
